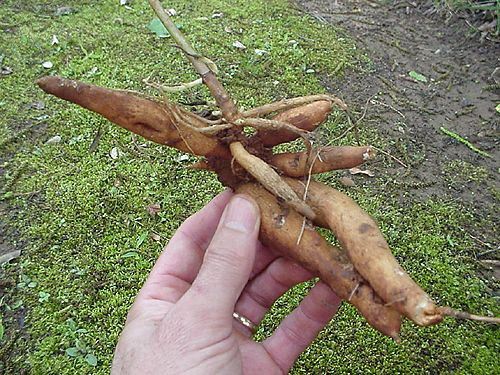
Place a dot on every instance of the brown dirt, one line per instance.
(459, 96)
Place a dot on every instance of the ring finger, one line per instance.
(260, 294)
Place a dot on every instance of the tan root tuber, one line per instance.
(363, 272)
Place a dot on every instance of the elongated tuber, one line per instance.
(269, 179)
(296, 164)
(306, 117)
(279, 230)
(360, 237)
(148, 118)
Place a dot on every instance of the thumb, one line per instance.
(229, 258)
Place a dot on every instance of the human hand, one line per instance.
(214, 265)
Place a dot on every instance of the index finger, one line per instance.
(181, 259)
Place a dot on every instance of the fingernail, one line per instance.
(241, 215)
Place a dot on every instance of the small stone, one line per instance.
(47, 64)
(239, 45)
(38, 105)
(114, 153)
(64, 11)
(54, 140)
(5, 70)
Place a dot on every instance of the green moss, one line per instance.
(83, 216)
(459, 172)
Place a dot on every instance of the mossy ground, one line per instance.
(82, 217)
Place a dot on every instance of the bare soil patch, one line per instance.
(460, 94)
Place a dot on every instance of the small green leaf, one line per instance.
(417, 76)
(91, 359)
(8, 195)
(497, 108)
(72, 352)
(16, 304)
(43, 296)
(130, 254)
(2, 330)
(80, 345)
(71, 324)
(141, 239)
(32, 284)
(157, 27)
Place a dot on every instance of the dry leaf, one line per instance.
(359, 171)
(153, 209)
(9, 256)
(5, 70)
(155, 237)
(37, 105)
(54, 40)
(54, 140)
(346, 181)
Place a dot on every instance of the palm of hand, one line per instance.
(181, 321)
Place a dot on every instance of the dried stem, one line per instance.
(221, 96)
(448, 311)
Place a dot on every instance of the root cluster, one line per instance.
(363, 271)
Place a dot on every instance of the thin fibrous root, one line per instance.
(264, 174)
(193, 122)
(328, 159)
(265, 124)
(448, 311)
(292, 103)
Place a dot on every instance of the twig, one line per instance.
(353, 126)
(373, 101)
(391, 156)
(97, 138)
